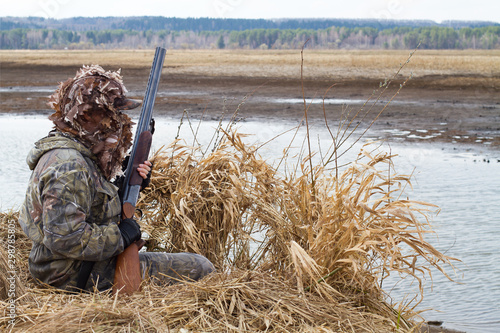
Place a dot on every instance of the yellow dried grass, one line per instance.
(374, 64)
(230, 202)
(240, 301)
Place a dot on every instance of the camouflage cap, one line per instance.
(91, 88)
(89, 106)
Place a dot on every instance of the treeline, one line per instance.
(157, 23)
(330, 38)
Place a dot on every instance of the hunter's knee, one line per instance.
(203, 267)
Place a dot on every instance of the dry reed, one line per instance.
(290, 256)
(235, 209)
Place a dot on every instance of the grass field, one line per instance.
(276, 63)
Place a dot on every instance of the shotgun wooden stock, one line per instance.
(127, 272)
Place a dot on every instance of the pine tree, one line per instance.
(220, 42)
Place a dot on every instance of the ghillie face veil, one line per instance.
(89, 106)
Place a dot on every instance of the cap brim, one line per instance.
(128, 104)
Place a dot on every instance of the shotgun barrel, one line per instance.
(143, 136)
(127, 273)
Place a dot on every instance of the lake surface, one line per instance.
(464, 182)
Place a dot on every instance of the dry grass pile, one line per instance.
(308, 226)
(301, 250)
(242, 301)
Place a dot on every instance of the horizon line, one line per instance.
(267, 19)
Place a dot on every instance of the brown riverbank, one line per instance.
(453, 96)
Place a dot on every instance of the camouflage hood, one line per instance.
(70, 212)
(88, 106)
(54, 141)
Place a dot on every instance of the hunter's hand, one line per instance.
(130, 230)
(144, 169)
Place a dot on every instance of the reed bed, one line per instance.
(346, 231)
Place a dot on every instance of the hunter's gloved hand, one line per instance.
(130, 230)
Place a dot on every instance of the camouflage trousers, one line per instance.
(169, 268)
(159, 267)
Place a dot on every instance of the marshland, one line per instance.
(328, 187)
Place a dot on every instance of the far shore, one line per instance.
(445, 96)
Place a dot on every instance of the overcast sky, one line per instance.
(436, 10)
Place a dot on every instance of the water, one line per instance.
(28, 89)
(464, 183)
(373, 100)
(466, 187)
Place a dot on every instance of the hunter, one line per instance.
(72, 208)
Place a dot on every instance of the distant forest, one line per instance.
(204, 33)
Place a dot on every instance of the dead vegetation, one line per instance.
(278, 64)
(300, 251)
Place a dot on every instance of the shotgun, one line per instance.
(127, 273)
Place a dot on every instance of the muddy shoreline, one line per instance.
(464, 111)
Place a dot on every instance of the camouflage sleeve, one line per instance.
(67, 202)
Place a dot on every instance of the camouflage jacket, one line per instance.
(70, 213)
